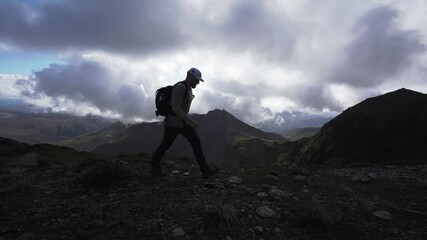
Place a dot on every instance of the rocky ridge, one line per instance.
(115, 199)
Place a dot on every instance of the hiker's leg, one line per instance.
(190, 134)
(169, 136)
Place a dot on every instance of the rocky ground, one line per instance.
(114, 199)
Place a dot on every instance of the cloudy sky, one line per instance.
(259, 58)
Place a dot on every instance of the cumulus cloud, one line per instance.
(8, 87)
(244, 101)
(95, 84)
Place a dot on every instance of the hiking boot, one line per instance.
(209, 172)
(156, 171)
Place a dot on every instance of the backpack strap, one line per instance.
(186, 88)
(185, 94)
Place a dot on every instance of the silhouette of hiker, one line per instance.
(179, 122)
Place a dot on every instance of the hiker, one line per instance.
(179, 122)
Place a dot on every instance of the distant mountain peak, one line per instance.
(217, 111)
(404, 91)
(222, 115)
(392, 101)
(218, 129)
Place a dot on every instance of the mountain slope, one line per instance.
(387, 128)
(46, 127)
(298, 133)
(218, 132)
(89, 141)
(14, 154)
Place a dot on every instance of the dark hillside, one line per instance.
(220, 133)
(388, 128)
(87, 142)
(15, 154)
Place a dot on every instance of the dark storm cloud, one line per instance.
(313, 97)
(93, 83)
(379, 51)
(130, 26)
(252, 26)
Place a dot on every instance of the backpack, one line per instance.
(163, 100)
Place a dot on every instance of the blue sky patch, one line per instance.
(25, 63)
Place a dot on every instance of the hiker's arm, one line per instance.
(181, 114)
(176, 107)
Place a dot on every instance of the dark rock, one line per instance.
(217, 216)
(265, 212)
(279, 194)
(210, 185)
(383, 215)
(178, 232)
(365, 180)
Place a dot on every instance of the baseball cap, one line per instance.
(196, 73)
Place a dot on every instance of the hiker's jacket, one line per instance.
(178, 94)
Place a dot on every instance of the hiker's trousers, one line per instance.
(169, 136)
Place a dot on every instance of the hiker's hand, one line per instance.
(193, 123)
